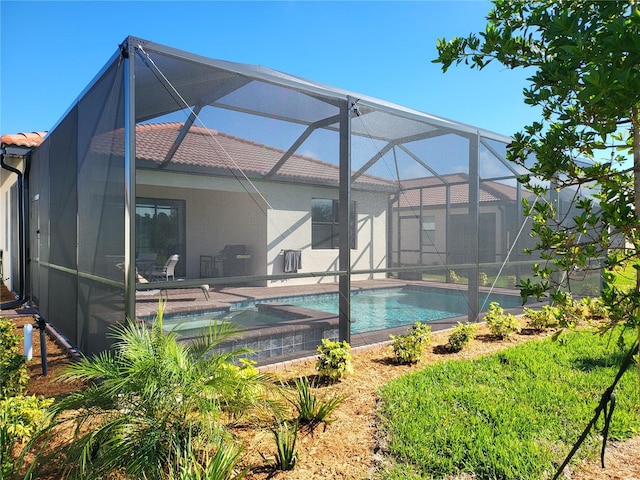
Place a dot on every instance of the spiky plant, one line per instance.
(193, 462)
(150, 395)
(313, 409)
(285, 436)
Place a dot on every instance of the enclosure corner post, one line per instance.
(129, 182)
(344, 263)
(474, 226)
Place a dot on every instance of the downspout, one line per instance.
(22, 249)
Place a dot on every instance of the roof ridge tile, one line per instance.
(22, 139)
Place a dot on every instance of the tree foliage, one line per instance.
(584, 56)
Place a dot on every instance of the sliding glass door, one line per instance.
(160, 229)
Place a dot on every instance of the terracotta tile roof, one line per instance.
(434, 191)
(30, 140)
(223, 154)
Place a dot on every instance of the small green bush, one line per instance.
(461, 336)
(455, 278)
(501, 324)
(334, 361)
(483, 279)
(408, 348)
(245, 385)
(566, 313)
(20, 418)
(13, 371)
(546, 318)
(511, 281)
(570, 309)
(593, 308)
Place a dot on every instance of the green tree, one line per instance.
(584, 56)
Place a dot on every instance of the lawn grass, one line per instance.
(512, 415)
(625, 278)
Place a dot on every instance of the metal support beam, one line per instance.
(398, 197)
(474, 225)
(447, 229)
(400, 142)
(381, 153)
(181, 135)
(517, 247)
(344, 215)
(301, 139)
(500, 158)
(129, 186)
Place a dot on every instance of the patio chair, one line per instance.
(165, 271)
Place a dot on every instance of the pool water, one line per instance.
(195, 323)
(389, 308)
(370, 310)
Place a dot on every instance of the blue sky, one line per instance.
(50, 51)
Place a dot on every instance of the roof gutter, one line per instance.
(22, 247)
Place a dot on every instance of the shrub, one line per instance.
(408, 349)
(461, 336)
(511, 281)
(570, 309)
(245, 386)
(593, 308)
(483, 279)
(501, 324)
(13, 371)
(454, 277)
(544, 319)
(313, 410)
(20, 418)
(334, 361)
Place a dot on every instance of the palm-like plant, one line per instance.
(150, 396)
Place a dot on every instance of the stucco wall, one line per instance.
(219, 212)
(289, 227)
(214, 219)
(7, 181)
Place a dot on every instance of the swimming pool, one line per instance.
(371, 310)
(389, 308)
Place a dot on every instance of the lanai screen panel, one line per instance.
(101, 209)
(231, 168)
(255, 177)
(456, 212)
(238, 172)
(78, 216)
